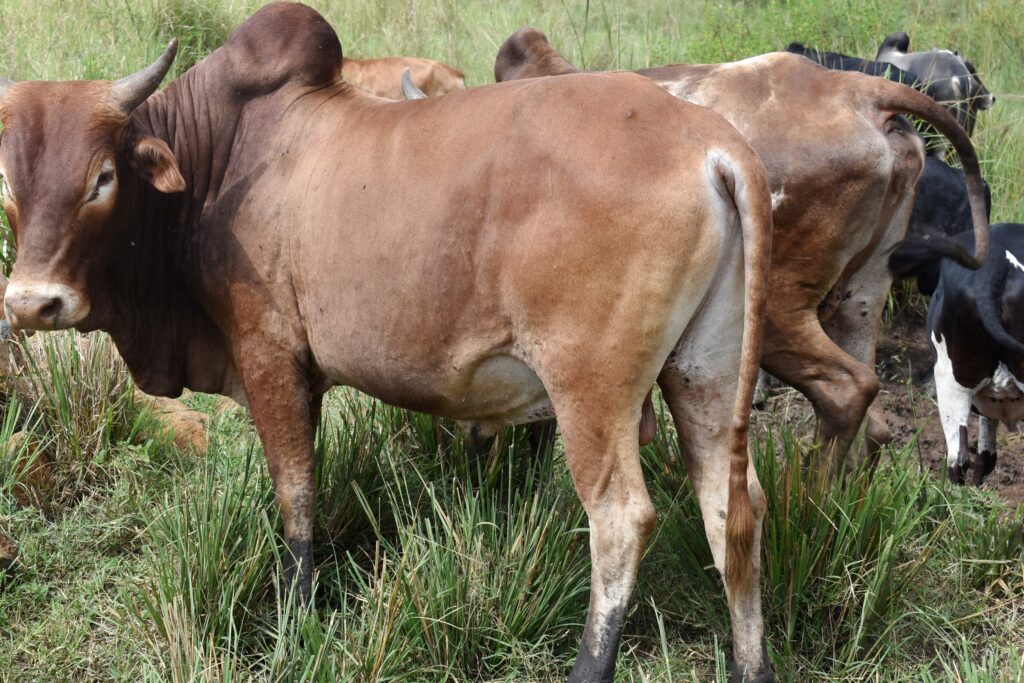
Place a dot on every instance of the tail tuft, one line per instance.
(739, 531)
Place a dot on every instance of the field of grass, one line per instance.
(138, 561)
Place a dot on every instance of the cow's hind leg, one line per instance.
(854, 327)
(604, 459)
(840, 387)
(856, 322)
(700, 384)
(986, 460)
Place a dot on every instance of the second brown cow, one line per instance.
(383, 76)
(843, 166)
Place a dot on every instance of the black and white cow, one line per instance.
(946, 75)
(941, 206)
(976, 328)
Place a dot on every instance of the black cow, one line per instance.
(941, 206)
(837, 61)
(975, 324)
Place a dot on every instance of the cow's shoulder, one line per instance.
(283, 42)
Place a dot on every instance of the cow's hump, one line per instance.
(282, 42)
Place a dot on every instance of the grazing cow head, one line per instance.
(948, 77)
(65, 150)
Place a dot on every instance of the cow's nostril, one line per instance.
(50, 310)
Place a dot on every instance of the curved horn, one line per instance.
(131, 91)
(409, 89)
(5, 83)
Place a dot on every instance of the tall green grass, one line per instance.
(79, 406)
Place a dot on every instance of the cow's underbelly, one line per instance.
(500, 389)
(1009, 411)
(493, 389)
(1001, 398)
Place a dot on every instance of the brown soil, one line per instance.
(904, 366)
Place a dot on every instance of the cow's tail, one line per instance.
(744, 182)
(990, 299)
(895, 98)
(917, 254)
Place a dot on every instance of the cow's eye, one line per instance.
(103, 181)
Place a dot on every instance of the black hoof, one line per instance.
(955, 473)
(600, 667)
(298, 571)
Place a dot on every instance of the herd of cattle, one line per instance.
(262, 229)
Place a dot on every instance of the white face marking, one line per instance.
(102, 188)
(1013, 261)
(954, 401)
(777, 198)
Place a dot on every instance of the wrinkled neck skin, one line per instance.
(148, 296)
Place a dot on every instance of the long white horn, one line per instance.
(409, 89)
(5, 83)
(131, 91)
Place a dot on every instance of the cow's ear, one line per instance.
(153, 160)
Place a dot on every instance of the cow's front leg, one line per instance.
(286, 411)
(986, 460)
(954, 410)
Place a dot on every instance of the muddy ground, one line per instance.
(904, 365)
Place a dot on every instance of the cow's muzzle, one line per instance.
(43, 306)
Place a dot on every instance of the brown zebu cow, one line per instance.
(843, 168)
(264, 230)
(383, 76)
